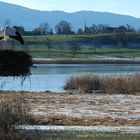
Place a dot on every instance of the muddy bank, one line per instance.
(83, 109)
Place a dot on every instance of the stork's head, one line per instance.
(7, 27)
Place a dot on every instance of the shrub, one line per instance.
(84, 82)
(14, 111)
(116, 84)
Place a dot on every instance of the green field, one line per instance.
(37, 47)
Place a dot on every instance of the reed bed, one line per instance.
(87, 83)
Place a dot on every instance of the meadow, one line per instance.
(59, 46)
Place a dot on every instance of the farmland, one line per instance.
(89, 46)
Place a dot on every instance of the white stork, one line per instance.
(8, 32)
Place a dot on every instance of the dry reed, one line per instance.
(110, 84)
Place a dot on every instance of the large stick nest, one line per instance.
(15, 63)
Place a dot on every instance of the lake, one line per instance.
(51, 77)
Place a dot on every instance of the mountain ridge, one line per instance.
(32, 18)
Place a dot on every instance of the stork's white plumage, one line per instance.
(8, 32)
(2, 33)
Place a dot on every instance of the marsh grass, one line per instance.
(109, 84)
(121, 84)
(84, 82)
(14, 110)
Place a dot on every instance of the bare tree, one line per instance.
(45, 28)
(49, 46)
(121, 37)
(74, 48)
(63, 27)
(92, 48)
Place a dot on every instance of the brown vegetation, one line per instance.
(84, 82)
(109, 84)
(14, 111)
(81, 109)
(85, 109)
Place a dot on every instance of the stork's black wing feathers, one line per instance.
(1, 38)
(18, 37)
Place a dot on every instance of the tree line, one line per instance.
(119, 35)
(65, 28)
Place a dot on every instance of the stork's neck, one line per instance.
(6, 37)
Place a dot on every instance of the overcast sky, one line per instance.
(126, 7)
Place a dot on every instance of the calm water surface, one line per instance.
(51, 77)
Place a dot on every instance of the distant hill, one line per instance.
(30, 18)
